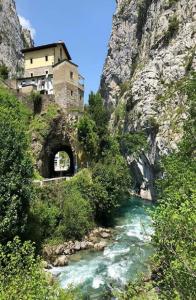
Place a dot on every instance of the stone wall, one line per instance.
(68, 93)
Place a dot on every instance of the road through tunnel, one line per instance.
(58, 158)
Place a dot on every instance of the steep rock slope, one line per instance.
(151, 52)
(12, 37)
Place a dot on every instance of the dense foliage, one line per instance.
(60, 212)
(15, 167)
(110, 174)
(21, 273)
(22, 276)
(175, 217)
(4, 72)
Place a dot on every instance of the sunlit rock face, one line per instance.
(12, 37)
(152, 47)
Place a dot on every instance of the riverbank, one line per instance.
(123, 259)
(59, 255)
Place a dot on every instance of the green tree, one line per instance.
(175, 216)
(15, 168)
(88, 137)
(22, 276)
(98, 112)
(111, 185)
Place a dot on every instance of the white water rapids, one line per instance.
(123, 259)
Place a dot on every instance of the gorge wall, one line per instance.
(13, 37)
(151, 52)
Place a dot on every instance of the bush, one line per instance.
(61, 211)
(88, 137)
(37, 102)
(111, 184)
(175, 217)
(40, 124)
(133, 143)
(15, 167)
(172, 28)
(21, 275)
(76, 215)
(172, 2)
(4, 72)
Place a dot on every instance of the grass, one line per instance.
(173, 28)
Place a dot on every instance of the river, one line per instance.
(126, 256)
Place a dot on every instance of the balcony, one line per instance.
(81, 82)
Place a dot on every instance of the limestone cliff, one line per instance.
(12, 37)
(151, 51)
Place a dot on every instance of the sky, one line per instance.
(84, 25)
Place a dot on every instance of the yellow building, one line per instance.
(48, 69)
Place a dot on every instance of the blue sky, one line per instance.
(84, 26)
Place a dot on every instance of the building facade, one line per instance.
(48, 69)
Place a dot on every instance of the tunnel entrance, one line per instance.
(59, 163)
(57, 158)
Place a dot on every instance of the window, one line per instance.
(71, 75)
(46, 72)
(31, 74)
(71, 93)
(31, 61)
(46, 58)
(61, 54)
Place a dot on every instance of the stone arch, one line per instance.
(59, 139)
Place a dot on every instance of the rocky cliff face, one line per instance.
(12, 37)
(151, 52)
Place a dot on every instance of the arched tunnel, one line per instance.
(57, 142)
(51, 163)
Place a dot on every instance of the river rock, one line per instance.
(61, 261)
(105, 235)
(89, 245)
(83, 245)
(100, 246)
(59, 250)
(67, 251)
(48, 251)
(77, 246)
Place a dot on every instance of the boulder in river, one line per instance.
(60, 250)
(77, 246)
(100, 246)
(105, 235)
(61, 261)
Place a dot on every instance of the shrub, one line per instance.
(76, 215)
(124, 87)
(15, 168)
(172, 28)
(61, 211)
(174, 218)
(172, 2)
(111, 184)
(133, 143)
(40, 124)
(88, 137)
(4, 72)
(21, 275)
(37, 102)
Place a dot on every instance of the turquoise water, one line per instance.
(126, 255)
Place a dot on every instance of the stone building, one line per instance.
(48, 69)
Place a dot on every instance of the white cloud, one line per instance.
(27, 24)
